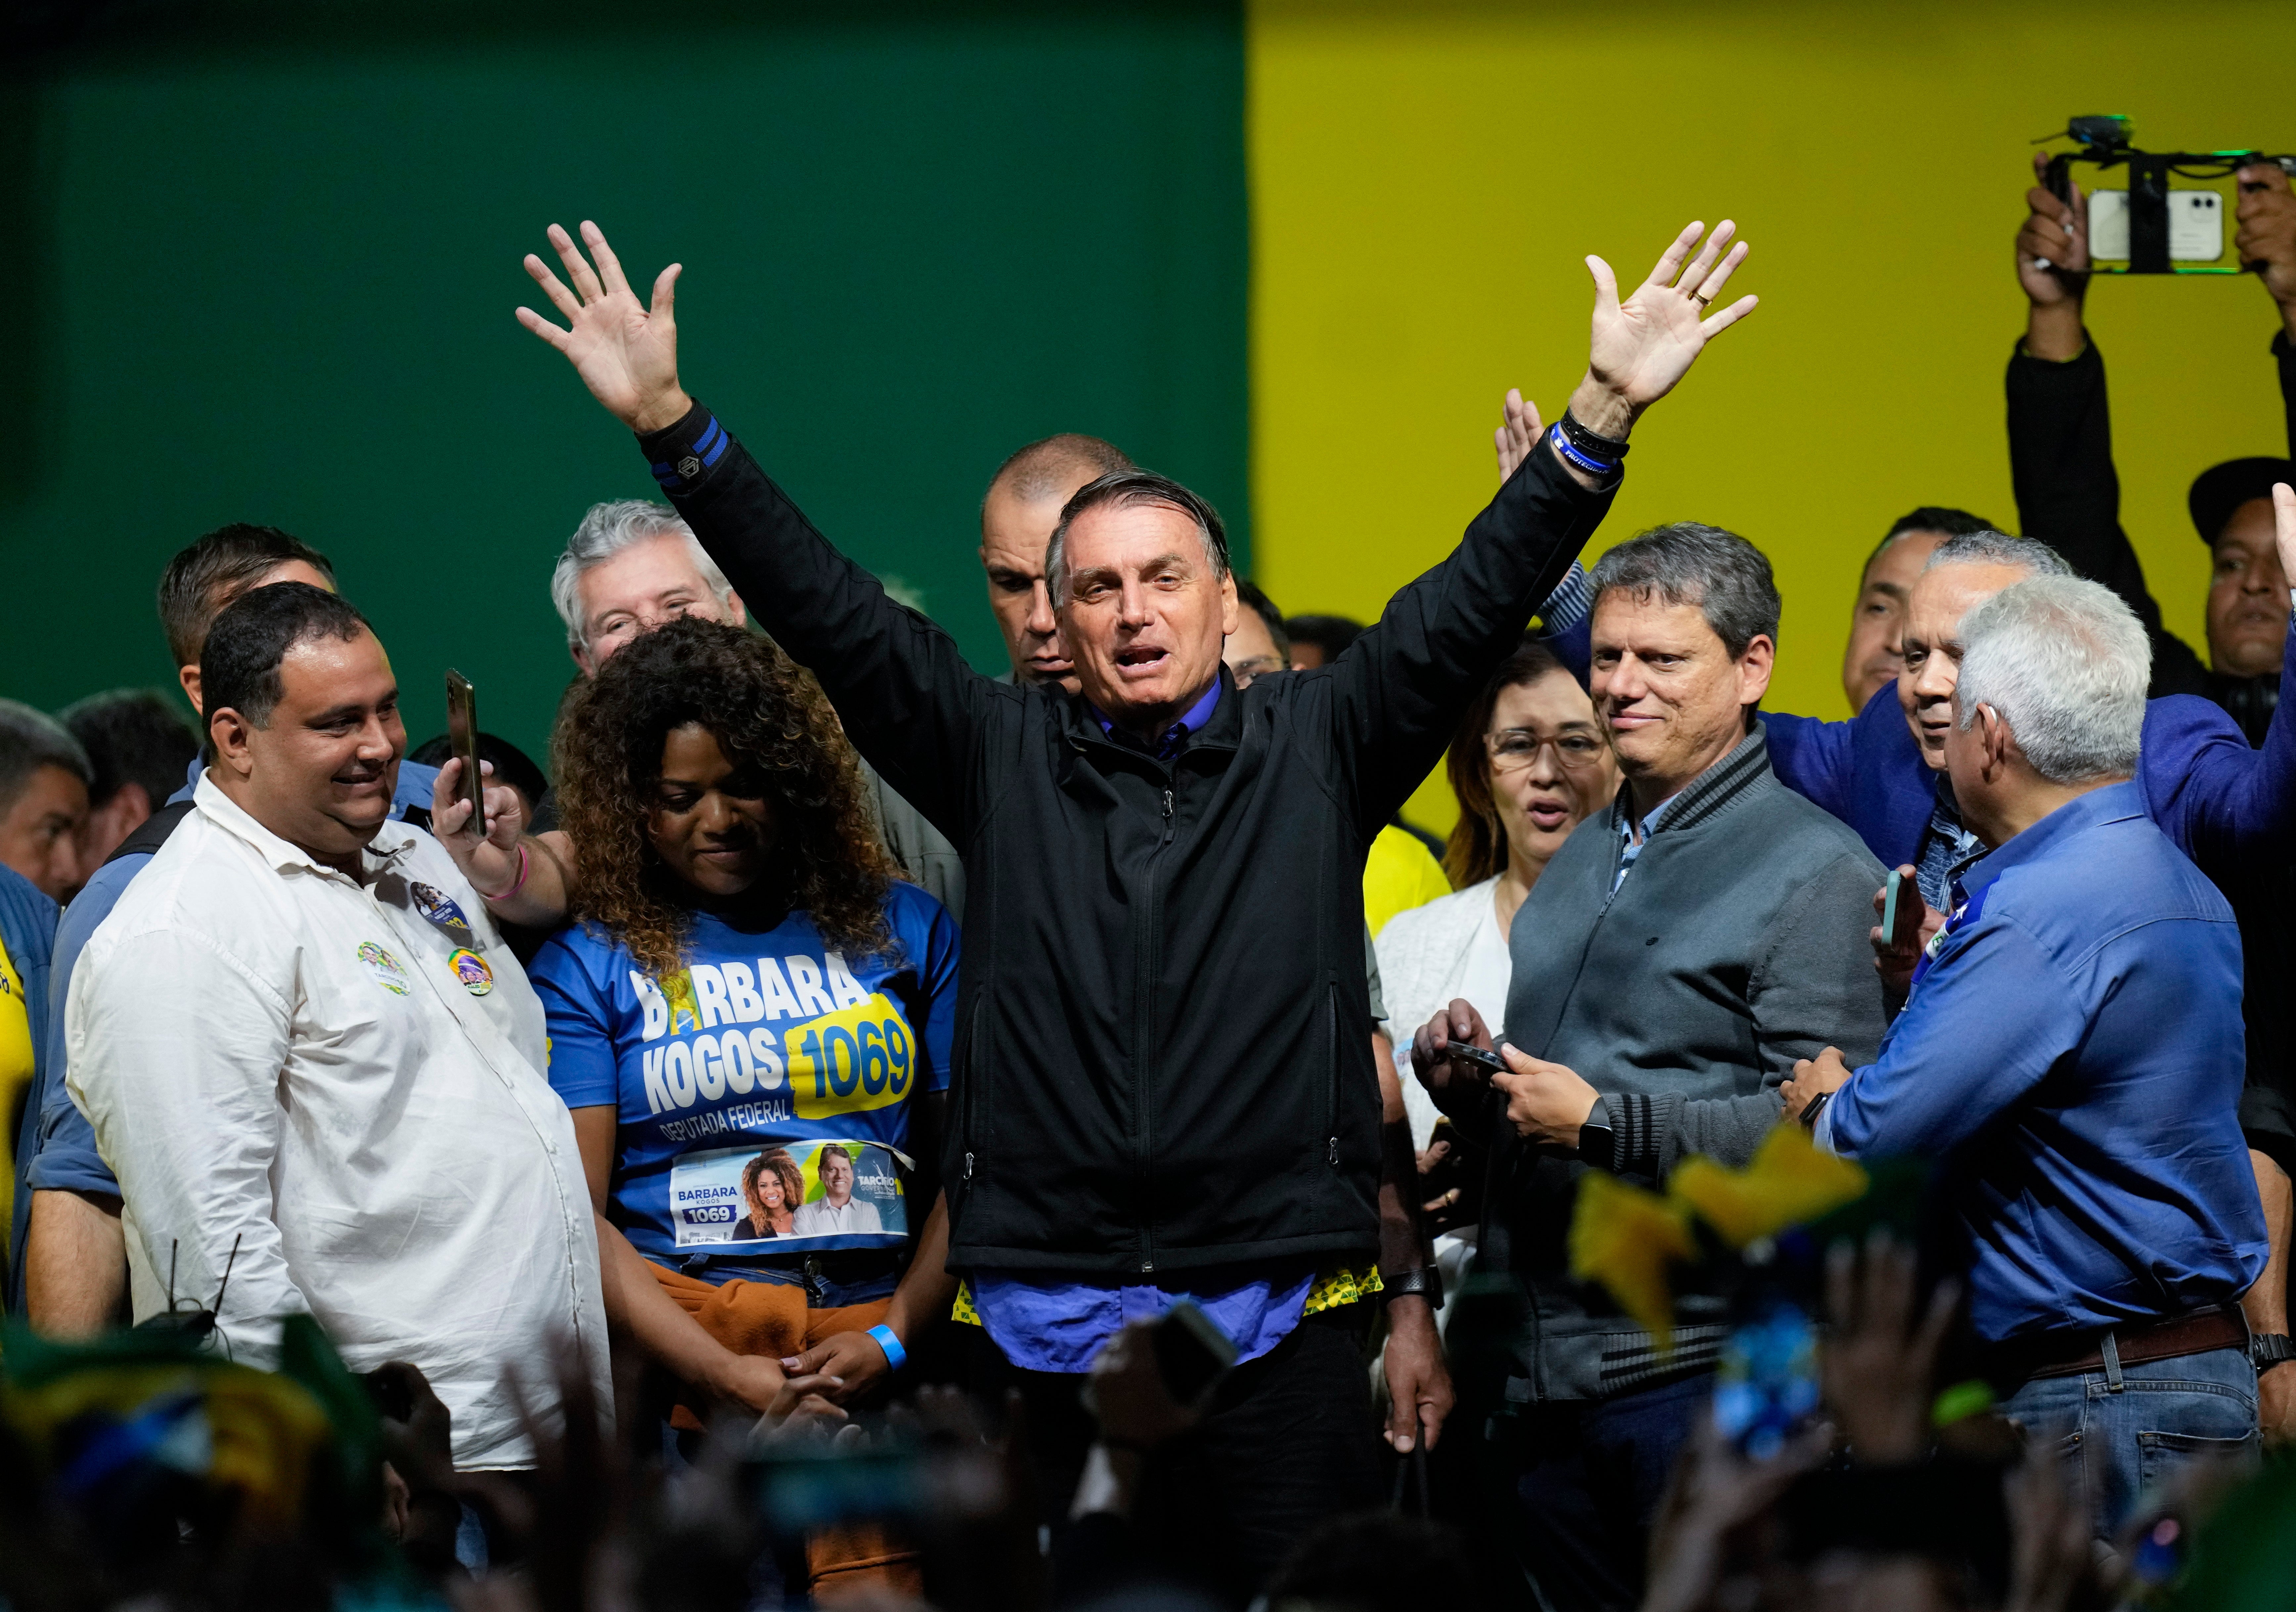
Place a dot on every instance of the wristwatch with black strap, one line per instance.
(2266, 1350)
(1424, 1283)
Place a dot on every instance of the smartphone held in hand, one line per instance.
(463, 734)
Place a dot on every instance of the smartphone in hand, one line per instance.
(463, 735)
(1489, 1061)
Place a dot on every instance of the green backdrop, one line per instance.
(267, 258)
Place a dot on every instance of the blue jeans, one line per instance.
(2124, 1433)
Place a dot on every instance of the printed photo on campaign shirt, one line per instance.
(792, 1196)
(735, 1078)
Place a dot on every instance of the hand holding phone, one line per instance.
(463, 735)
(1897, 938)
(1492, 1062)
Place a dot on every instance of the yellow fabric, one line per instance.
(1333, 1288)
(1400, 873)
(1343, 1286)
(1624, 1238)
(1791, 1182)
(15, 1074)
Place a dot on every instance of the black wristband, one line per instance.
(1424, 1283)
(2270, 1349)
(1610, 450)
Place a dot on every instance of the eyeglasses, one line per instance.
(1513, 748)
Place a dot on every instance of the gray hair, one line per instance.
(30, 740)
(606, 531)
(2064, 662)
(1121, 490)
(1727, 578)
(1999, 548)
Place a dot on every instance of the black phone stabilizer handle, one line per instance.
(2106, 140)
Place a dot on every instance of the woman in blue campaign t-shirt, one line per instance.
(751, 1021)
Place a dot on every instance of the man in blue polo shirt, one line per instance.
(2072, 1054)
(72, 1276)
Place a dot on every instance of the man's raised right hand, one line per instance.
(626, 354)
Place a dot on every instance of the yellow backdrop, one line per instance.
(1427, 179)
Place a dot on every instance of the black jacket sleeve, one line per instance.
(1398, 691)
(2284, 355)
(2068, 494)
(908, 699)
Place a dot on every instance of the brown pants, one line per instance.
(771, 1318)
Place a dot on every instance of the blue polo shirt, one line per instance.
(2072, 1052)
(62, 1156)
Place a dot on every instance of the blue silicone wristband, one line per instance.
(1570, 450)
(894, 1353)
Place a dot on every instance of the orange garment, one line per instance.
(857, 1559)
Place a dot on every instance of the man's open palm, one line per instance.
(1642, 346)
(626, 353)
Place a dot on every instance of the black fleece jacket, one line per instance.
(1160, 1063)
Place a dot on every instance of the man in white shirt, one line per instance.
(310, 1059)
(837, 1210)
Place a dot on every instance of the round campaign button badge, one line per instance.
(441, 912)
(472, 969)
(389, 972)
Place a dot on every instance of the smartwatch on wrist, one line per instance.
(1812, 1109)
(1597, 1147)
(2270, 1349)
(1425, 1282)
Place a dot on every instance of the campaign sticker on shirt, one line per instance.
(389, 972)
(438, 909)
(472, 969)
(790, 1196)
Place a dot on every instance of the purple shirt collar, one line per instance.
(1194, 718)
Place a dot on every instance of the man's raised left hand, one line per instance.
(1642, 346)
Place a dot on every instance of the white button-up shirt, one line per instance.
(273, 1053)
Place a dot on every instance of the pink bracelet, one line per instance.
(517, 884)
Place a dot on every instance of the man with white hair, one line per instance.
(2071, 1054)
(2230, 808)
(632, 565)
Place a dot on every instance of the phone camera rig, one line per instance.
(2107, 141)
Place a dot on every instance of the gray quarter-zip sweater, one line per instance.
(1736, 944)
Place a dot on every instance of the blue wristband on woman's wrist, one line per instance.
(892, 1344)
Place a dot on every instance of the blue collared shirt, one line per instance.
(1633, 835)
(1058, 1324)
(1195, 717)
(63, 1156)
(2072, 1052)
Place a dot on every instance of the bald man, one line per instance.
(1017, 517)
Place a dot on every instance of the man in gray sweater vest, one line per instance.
(1679, 953)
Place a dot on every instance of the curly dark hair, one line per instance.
(766, 713)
